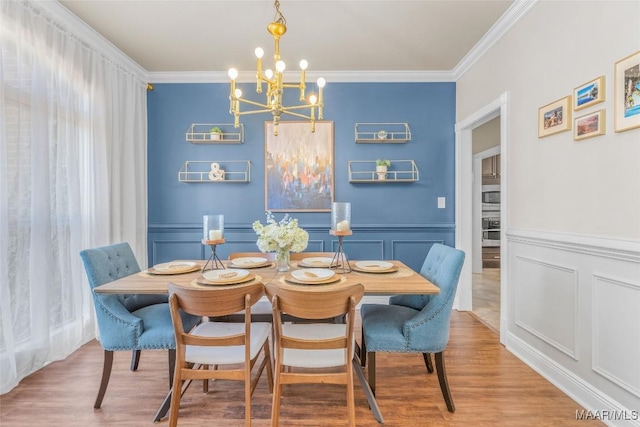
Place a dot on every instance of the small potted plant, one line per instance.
(381, 168)
(216, 133)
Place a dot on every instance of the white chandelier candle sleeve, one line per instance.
(341, 216)
(276, 85)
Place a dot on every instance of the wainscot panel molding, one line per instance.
(573, 315)
(616, 306)
(545, 293)
(407, 242)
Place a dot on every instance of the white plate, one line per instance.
(174, 266)
(374, 265)
(248, 261)
(317, 262)
(226, 275)
(315, 275)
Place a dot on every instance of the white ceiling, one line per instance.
(173, 36)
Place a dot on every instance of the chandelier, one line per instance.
(275, 85)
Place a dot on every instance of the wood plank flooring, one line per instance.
(490, 387)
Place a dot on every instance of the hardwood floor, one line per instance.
(486, 297)
(490, 387)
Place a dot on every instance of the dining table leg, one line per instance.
(371, 399)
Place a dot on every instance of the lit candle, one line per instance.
(215, 234)
(342, 226)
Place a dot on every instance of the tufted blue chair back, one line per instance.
(425, 320)
(120, 316)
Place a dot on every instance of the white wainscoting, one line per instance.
(574, 316)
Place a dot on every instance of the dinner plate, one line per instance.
(175, 267)
(249, 262)
(312, 276)
(228, 275)
(317, 262)
(289, 278)
(374, 265)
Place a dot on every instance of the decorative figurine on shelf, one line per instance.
(216, 174)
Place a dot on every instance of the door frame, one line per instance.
(464, 202)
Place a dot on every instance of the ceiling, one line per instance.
(174, 36)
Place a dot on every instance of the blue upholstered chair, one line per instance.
(416, 323)
(127, 322)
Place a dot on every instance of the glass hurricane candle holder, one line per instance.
(341, 216)
(213, 227)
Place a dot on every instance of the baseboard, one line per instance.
(598, 404)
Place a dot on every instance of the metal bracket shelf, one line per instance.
(382, 133)
(198, 133)
(236, 171)
(364, 171)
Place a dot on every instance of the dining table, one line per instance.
(396, 280)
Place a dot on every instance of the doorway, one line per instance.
(486, 230)
(465, 217)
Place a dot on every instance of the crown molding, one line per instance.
(90, 37)
(512, 15)
(330, 76)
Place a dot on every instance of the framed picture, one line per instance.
(299, 167)
(588, 94)
(627, 93)
(555, 117)
(592, 124)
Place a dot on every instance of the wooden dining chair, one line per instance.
(416, 323)
(314, 346)
(299, 256)
(271, 256)
(218, 344)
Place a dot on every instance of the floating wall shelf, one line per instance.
(382, 133)
(198, 133)
(215, 171)
(364, 171)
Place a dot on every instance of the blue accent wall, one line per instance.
(389, 220)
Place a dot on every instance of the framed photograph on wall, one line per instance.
(627, 93)
(299, 167)
(589, 125)
(555, 117)
(588, 94)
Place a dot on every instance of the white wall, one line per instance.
(573, 284)
(486, 136)
(590, 187)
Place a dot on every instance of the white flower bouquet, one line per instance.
(281, 236)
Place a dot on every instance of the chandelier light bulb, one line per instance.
(321, 82)
(268, 73)
(233, 73)
(304, 64)
(259, 52)
(280, 66)
(313, 99)
(238, 93)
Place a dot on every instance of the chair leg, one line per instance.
(172, 365)
(277, 394)
(135, 359)
(363, 352)
(372, 372)
(444, 385)
(106, 373)
(427, 362)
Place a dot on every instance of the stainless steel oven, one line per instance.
(491, 198)
(490, 231)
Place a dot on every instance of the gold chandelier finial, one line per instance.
(275, 84)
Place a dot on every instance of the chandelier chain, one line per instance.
(279, 17)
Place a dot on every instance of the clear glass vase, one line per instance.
(283, 260)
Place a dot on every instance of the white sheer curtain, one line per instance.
(72, 175)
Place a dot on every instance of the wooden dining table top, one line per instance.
(403, 281)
